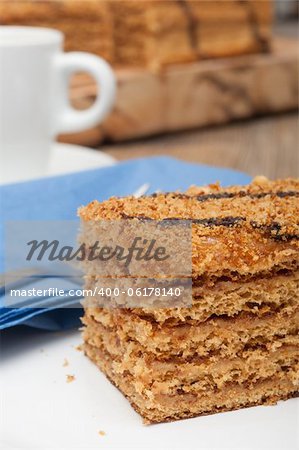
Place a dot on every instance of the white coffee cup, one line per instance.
(34, 103)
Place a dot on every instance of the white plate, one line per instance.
(68, 158)
(41, 410)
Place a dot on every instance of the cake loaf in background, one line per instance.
(150, 33)
(160, 32)
(86, 24)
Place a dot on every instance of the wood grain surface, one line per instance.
(195, 95)
(268, 146)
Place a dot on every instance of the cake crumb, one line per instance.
(102, 433)
(70, 378)
(65, 363)
(79, 348)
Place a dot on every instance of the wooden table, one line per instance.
(268, 146)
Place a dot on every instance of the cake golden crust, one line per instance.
(236, 231)
(261, 194)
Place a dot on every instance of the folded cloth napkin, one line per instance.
(58, 198)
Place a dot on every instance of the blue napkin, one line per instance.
(59, 197)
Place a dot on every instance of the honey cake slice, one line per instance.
(237, 345)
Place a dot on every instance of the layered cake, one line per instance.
(86, 24)
(160, 32)
(237, 344)
(150, 33)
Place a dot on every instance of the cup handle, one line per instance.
(69, 119)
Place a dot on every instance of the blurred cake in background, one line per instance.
(150, 33)
(86, 24)
(159, 32)
(214, 56)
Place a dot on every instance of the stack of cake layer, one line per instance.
(150, 33)
(155, 33)
(237, 345)
(86, 24)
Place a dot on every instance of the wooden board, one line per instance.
(193, 95)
